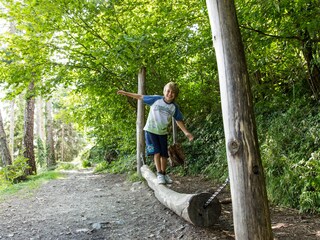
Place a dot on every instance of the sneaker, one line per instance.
(168, 179)
(161, 178)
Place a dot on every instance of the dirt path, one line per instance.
(84, 205)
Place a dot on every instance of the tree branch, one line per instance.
(277, 36)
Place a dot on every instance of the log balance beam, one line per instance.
(188, 206)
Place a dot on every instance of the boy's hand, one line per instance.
(121, 92)
(189, 136)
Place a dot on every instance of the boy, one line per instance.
(162, 109)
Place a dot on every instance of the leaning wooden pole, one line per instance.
(188, 206)
(249, 198)
(140, 120)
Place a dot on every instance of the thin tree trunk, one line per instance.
(39, 121)
(12, 124)
(28, 132)
(313, 67)
(62, 143)
(6, 157)
(140, 120)
(49, 136)
(249, 197)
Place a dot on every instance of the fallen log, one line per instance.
(188, 206)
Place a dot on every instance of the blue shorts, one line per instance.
(156, 144)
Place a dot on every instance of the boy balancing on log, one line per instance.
(162, 109)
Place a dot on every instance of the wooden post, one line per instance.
(140, 120)
(188, 206)
(249, 198)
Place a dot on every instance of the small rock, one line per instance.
(80, 230)
(120, 222)
(96, 226)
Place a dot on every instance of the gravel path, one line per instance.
(84, 205)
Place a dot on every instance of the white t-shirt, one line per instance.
(160, 114)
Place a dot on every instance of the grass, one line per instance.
(25, 188)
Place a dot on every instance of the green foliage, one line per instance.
(67, 166)
(86, 163)
(134, 177)
(69, 142)
(274, 34)
(93, 48)
(126, 164)
(206, 154)
(101, 167)
(289, 149)
(15, 172)
(31, 182)
(123, 165)
(309, 200)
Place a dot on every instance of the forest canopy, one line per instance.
(77, 54)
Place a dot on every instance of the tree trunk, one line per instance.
(39, 121)
(188, 206)
(49, 136)
(140, 121)
(28, 131)
(6, 157)
(62, 143)
(12, 122)
(249, 197)
(313, 67)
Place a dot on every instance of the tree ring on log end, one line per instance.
(201, 216)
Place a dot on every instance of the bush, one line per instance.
(86, 163)
(290, 154)
(310, 197)
(125, 164)
(15, 172)
(207, 153)
(67, 166)
(101, 167)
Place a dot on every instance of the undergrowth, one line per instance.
(291, 156)
(125, 165)
(31, 182)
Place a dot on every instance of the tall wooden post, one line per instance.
(249, 198)
(140, 120)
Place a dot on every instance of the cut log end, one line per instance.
(201, 216)
(188, 206)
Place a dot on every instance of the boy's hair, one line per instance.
(173, 87)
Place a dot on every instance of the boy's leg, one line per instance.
(163, 161)
(163, 164)
(164, 157)
(157, 161)
(160, 176)
(154, 145)
(163, 139)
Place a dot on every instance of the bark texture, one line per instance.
(249, 197)
(6, 157)
(28, 137)
(49, 137)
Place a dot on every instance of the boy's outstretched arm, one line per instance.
(129, 94)
(184, 130)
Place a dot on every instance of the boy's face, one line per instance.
(169, 95)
